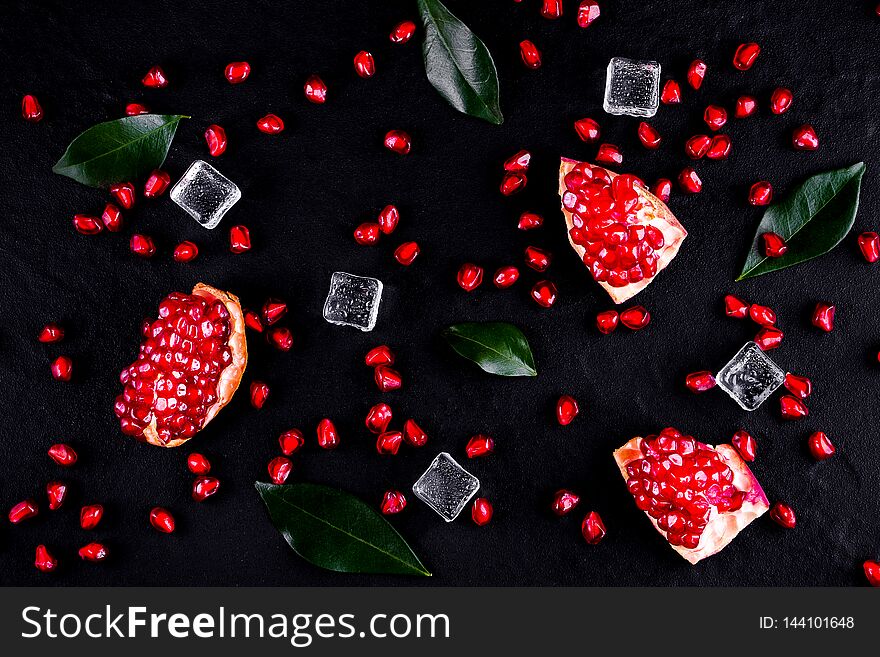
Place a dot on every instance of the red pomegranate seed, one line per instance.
(696, 73)
(566, 410)
(185, 252)
(398, 141)
(93, 552)
(735, 307)
(402, 32)
(564, 501)
(381, 355)
(538, 259)
(481, 511)
(519, 161)
(134, 109)
(393, 502)
(768, 338)
(86, 224)
(804, 138)
(315, 90)
(198, 464)
(823, 316)
(252, 321)
(239, 239)
(469, 277)
(155, 78)
(378, 418)
(588, 130)
(762, 315)
(820, 446)
(780, 100)
(259, 392)
(774, 245)
(649, 137)
(606, 321)
(279, 469)
(112, 218)
(237, 72)
(700, 381)
(62, 368)
(63, 454)
(761, 193)
(205, 487)
(551, 9)
(593, 528)
(530, 221)
(745, 444)
(869, 245)
(696, 146)
(273, 310)
(90, 515)
(609, 154)
(31, 110)
(719, 148)
(588, 11)
(689, 181)
(799, 386)
(44, 561)
(56, 491)
(387, 379)
(671, 93)
(51, 332)
(270, 124)
(215, 137)
(162, 520)
(364, 64)
(479, 445)
(635, 318)
(544, 293)
(512, 182)
(715, 117)
(23, 511)
(406, 253)
(388, 443)
(745, 107)
(156, 184)
(662, 189)
(388, 219)
(124, 194)
(506, 276)
(530, 54)
(328, 438)
(872, 568)
(414, 434)
(291, 441)
(280, 337)
(745, 56)
(367, 234)
(142, 245)
(783, 515)
(792, 408)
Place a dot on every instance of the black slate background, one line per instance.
(303, 193)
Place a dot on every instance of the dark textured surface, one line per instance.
(303, 193)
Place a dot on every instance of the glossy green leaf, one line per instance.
(497, 347)
(121, 150)
(812, 220)
(333, 529)
(458, 63)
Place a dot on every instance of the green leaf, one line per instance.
(335, 530)
(812, 220)
(458, 63)
(497, 347)
(119, 151)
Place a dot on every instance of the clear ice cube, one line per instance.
(205, 193)
(446, 487)
(750, 377)
(353, 300)
(632, 87)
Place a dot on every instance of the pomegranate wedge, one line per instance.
(624, 234)
(697, 496)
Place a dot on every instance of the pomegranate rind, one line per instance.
(230, 377)
(722, 528)
(653, 212)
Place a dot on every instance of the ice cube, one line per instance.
(353, 300)
(446, 487)
(632, 87)
(205, 193)
(750, 377)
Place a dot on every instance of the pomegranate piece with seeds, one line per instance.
(315, 90)
(697, 496)
(820, 446)
(587, 130)
(761, 193)
(592, 528)
(237, 72)
(270, 124)
(398, 142)
(700, 381)
(364, 64)
(393, 502)
(774, 245)
(155, 78)
(869, 245)
(279, 469)
(402, 32)
(44, 561)
(823, 316)
(804, 138)
(566, 410)
(64, 455)
(735, 307)
(671, 93)
(588, 11)
(564, 501)
(783, 515)
(481, 511)
(31, 110)
(696, 73)
(162, 520)
(745, 56)
(624, 234)
(745, 107)
(529, 54)
(188, 367)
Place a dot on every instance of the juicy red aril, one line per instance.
(291, 441)
(186, 252)
(735, 307)
(388, 443)
(745, 107)
(270, 124)
(155, 78)
(62, 368)
(774, 245)
(142, 245)
(31, 110)
(44, 561)
(662, 189)
(406, 253)
(512, 182)
(649, 136)
(745, 444)
(398, 141)
(388, 219)
(315, 90)
(90, 516)
(823, 316)
(768, 338)
(393, 502)
(635, 318)
(402, 32)
(588, 130)
(695, 73)
(505, 277)
(820, 446)
(689, 181)
(328, 438)
(364, 64)
(696, 146)
(564, 501)
(593, 528)
(51, 332)
(538, 259)
(530, 54)
(367, 234)
(279, 469)
(479, 445)
(761, 193)
(237, 72)
(551, 9)
(715, 117)
(519, 161)
(469, 277)
(745, 56)
(588, 11)
(566, 410)
(530, 221)
(156, 184)
(252, 321)
(609, 154)
(792, 408)
(804, 138)
(414, 434)
(869, 245)
(162, 520)
(215, 137)
(719, 148)
(64, 455)
(544, 293)
(699, 381)
(112, 218)
(205, 487)
(134, 109)
(93, 552)
(381, 355)
(762, 315)
(56, 491)
(606, 321)
(481, 511)
(280, 337)
(124, 194)
(259, 392)
(198, 464)
(86, 224)
(273, 310)
(378, 418)
(780, 100)
(671, 94)
(783, 515)
(799, 386)
(239, 239)
(23, 511)
(387, 379)
(872, 568)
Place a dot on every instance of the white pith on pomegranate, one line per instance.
(189, 366)
(697, 496)
(624, 234)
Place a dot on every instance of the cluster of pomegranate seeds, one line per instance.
(529, 54)
(479, 445)
(566, 410)
(364, 64)
(398, 141)
(783, 515)
(31, 110)
(155, 78)
(270, 124)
